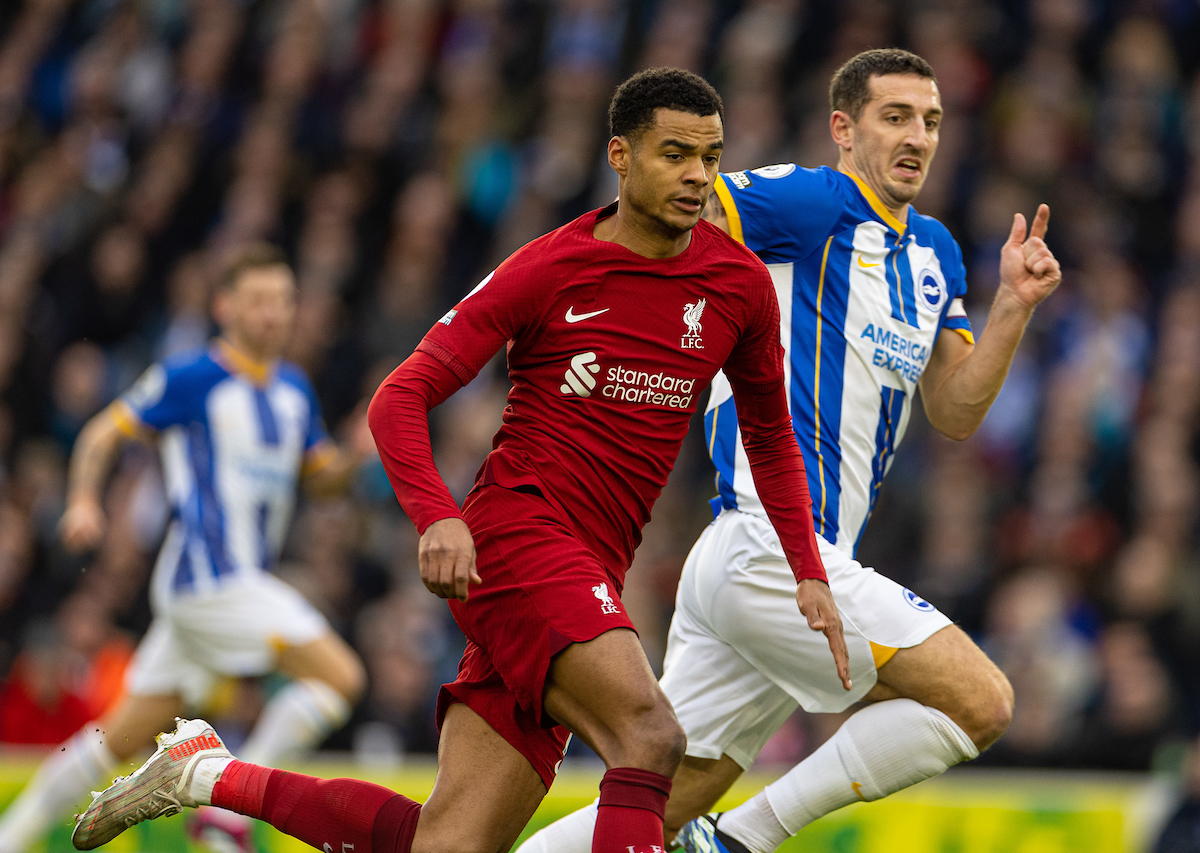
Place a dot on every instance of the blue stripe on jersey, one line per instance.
(901, 292)
(268, 429)
(907, 286)
(817, 394)
(185, 578)
(891, 408)
(212, 515)
(265, 556)
(720, 428)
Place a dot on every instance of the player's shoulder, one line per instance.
(181, 376)
(785, 179)
(541, 264)
(932, 232)
(726, 257)
(196, 367)
(572, 241)
(719, 247)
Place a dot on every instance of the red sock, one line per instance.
(333, 815)
(630, 817)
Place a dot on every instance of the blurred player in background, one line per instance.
(871, 297)
(614, 323)
(238, 428)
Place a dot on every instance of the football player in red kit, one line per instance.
(614, 325)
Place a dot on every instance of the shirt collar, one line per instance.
(876, 205)
(236, 361)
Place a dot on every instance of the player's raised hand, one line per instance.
(82, 525)
(1027, 266)
(816, 604)
(446, 555)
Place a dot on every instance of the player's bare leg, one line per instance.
(83, 763)
(484, 794)
(327, 679)
(130, 727)
(952, 674)
(329, 659)
(934, 705)
(485, 790)
(605, 692)
(698, 784)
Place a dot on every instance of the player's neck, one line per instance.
(640, 234)
(244, 357)
(875, 197)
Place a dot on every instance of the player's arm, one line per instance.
(329, 469)
(778, 470)
(755, 373)
(449, 356)
(399, 420)
(962, 380)
(83, 523)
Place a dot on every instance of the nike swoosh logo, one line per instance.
(572, 317)
(865, 266)
(855, 785)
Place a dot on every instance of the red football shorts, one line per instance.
(542, 590)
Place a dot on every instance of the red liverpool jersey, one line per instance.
(608, 353)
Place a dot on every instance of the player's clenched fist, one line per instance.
(82, 525)
(446, 555)
(816, 604)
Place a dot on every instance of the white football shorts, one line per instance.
(741, 657)
(237, 630)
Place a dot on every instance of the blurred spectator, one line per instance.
(37, 705)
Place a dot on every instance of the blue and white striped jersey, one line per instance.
(234, 438)
(862, 299)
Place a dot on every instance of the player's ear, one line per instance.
(620, 154)
(841, 128)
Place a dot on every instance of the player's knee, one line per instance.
(990, 712)
(351, 680)
(344, 672)
(656, 741)
(1000, 710)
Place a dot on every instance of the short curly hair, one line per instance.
(632, 109)
(850, 89)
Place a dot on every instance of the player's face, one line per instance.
(897, 135)
(260, 309)
(671, 168)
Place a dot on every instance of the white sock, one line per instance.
(880, 750)
(64, 779)
(570, 834)
(207, 773)
(754, 824)
(297, 718)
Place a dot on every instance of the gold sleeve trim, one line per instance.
(731, 211)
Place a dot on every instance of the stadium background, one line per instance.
(399, 148)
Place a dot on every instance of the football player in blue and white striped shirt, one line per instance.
(238, 429)
(870, 295)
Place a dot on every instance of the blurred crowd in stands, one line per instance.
(397, 149)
